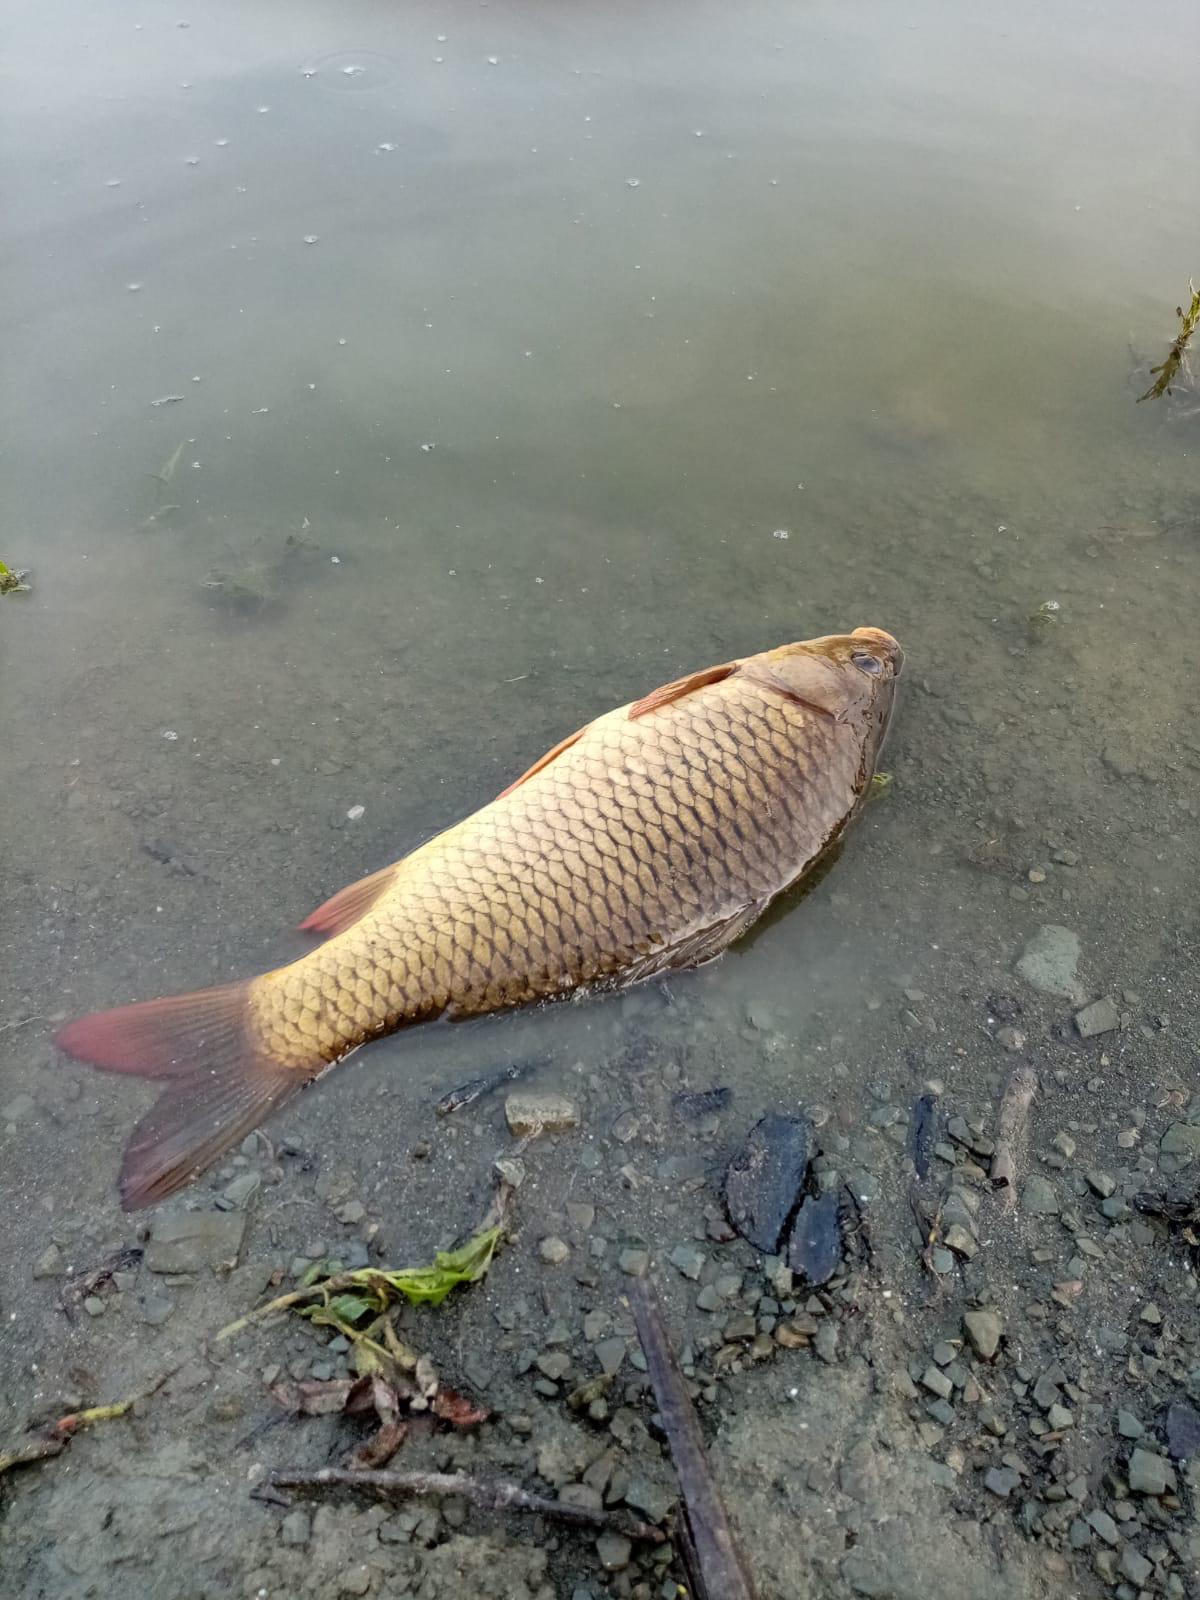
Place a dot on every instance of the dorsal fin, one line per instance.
(551, 755)
(343, 909)
(670, 692)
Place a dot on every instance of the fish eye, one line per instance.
(866, 662)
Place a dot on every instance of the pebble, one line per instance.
(1103, 1524)
(984, 1329)
(1039, 1197)
(94, 1306)
(634, 1262)
(243, 1187)
(353, 1211)
(1100, 1183)
(18, 1108)
(1049, 960)
(554, 1251)
(1182, 1429)
(1000, 1481)
(296, 1528)
(688, 1260)
(937, 1383)
(154, 1308)
(50, 1263)
(1135, 1566)
(191, 1240)
(1181, 1139)
(1101, 1016)
(614, 1550)
(1150, 1473)
(826, 1342)
(1128, 1425)
(540, 1113)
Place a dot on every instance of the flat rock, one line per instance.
(189, 1241)
(764, 1178)
(1150, 1473)
(1183, 1431)
(1039, 1198)
(50, 1263)
(1101, 1016)
(540, 1113)
(815, 1248)
(1181, 1139)
(1049, 960)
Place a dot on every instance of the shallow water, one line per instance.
(578, 349)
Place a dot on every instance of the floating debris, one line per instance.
(1167, 373)
(12, 581)
(167, 400)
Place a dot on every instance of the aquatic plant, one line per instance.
(1167, 372)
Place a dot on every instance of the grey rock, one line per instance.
(1039, 1198)
(1150, 1473)
(1128, 1425)
(1135, 1566)
(155, 1308)
(1046, 1389)
(937, 1383)
(296, 1528)
(826, 1342)
(1049, 960)
(614, 1550)
(1101, 1183)
(688, 1260)
(1101, 1016)
(646, 1495)
(1059, 1417)
(634, 1262)
(19, 1108)
(1181, 1139)
(1103, 1525)
(50, 1263)
(189, 1241)
(554, 1251)
(764, 1178)
(353, 1211)
(984, 1330)
(94, 1306)
(242, 1189)
(1000, 1481)
(540, 1113)
(941, 1260)
(610, 1353)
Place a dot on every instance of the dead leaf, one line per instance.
(457, 1409)
(312, 1397)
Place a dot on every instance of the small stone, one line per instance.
(94, 1306)
(18, 1108)
(614, 1550)
(1181, 1139)
(653, 1499)
(554, 1251)
(1104, 1525)
(633, 1263)
(688, 1260)
(353, 1211)
(1049, 960)
(296, 1528)
(243, 1187)
(1064, 1144)
(50, 1263)
(540, 1113)
(826, 1342)
(1128, 1425)
(937, 1383)
(1150, 1473)
(155, 1308)
(357, 1581)
(1101, 1016)
(1135, 1566)
(1039, 1197)
(1059, 1417)
(941, 1260)
(1101, 1183)
(580, 1215)
(961, 1242)
(610, 1353)
(1000, 1481)
(1150, 1313)
(189, 1241)
(555, 1364)
(626, 1127)
(742, 1326)
(983, 1329)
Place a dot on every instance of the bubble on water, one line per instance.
(355, 812)
(353, 70)
(113, 183)
(312, 238)
(335, 561)
(192, 161)
(633, 183)
(170, 734)
(438, 60)
(441, 38)
(133, 287)
(341, 341)
(261, 412)
(386, 146)
(780, 533)
(428, 447)
(220, 143)
(493, 61)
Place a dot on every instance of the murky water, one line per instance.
(388, 390)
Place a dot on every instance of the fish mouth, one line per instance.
(888, 646)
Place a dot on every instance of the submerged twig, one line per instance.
(496, 1494)
(55, 1438)
(713, 1562)
(1168, 371)
(1010, 1134)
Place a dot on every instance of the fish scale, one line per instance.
(647, 841)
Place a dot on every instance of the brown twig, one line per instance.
(1010, 1133)
(714, 1564)
(496, 1494)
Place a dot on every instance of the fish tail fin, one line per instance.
(220, 1082)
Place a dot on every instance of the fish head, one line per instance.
(850, 677)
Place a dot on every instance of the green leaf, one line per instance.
(431, 1285)
(351, 1307)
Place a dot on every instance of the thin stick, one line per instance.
(1010, 1133)
(496, 1494)
(716, 1568)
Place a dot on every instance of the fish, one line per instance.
(646, 842)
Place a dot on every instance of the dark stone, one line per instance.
(1183, 1431)
(815, 1247)
(765, 1177)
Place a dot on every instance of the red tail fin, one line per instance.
(220, 1083)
